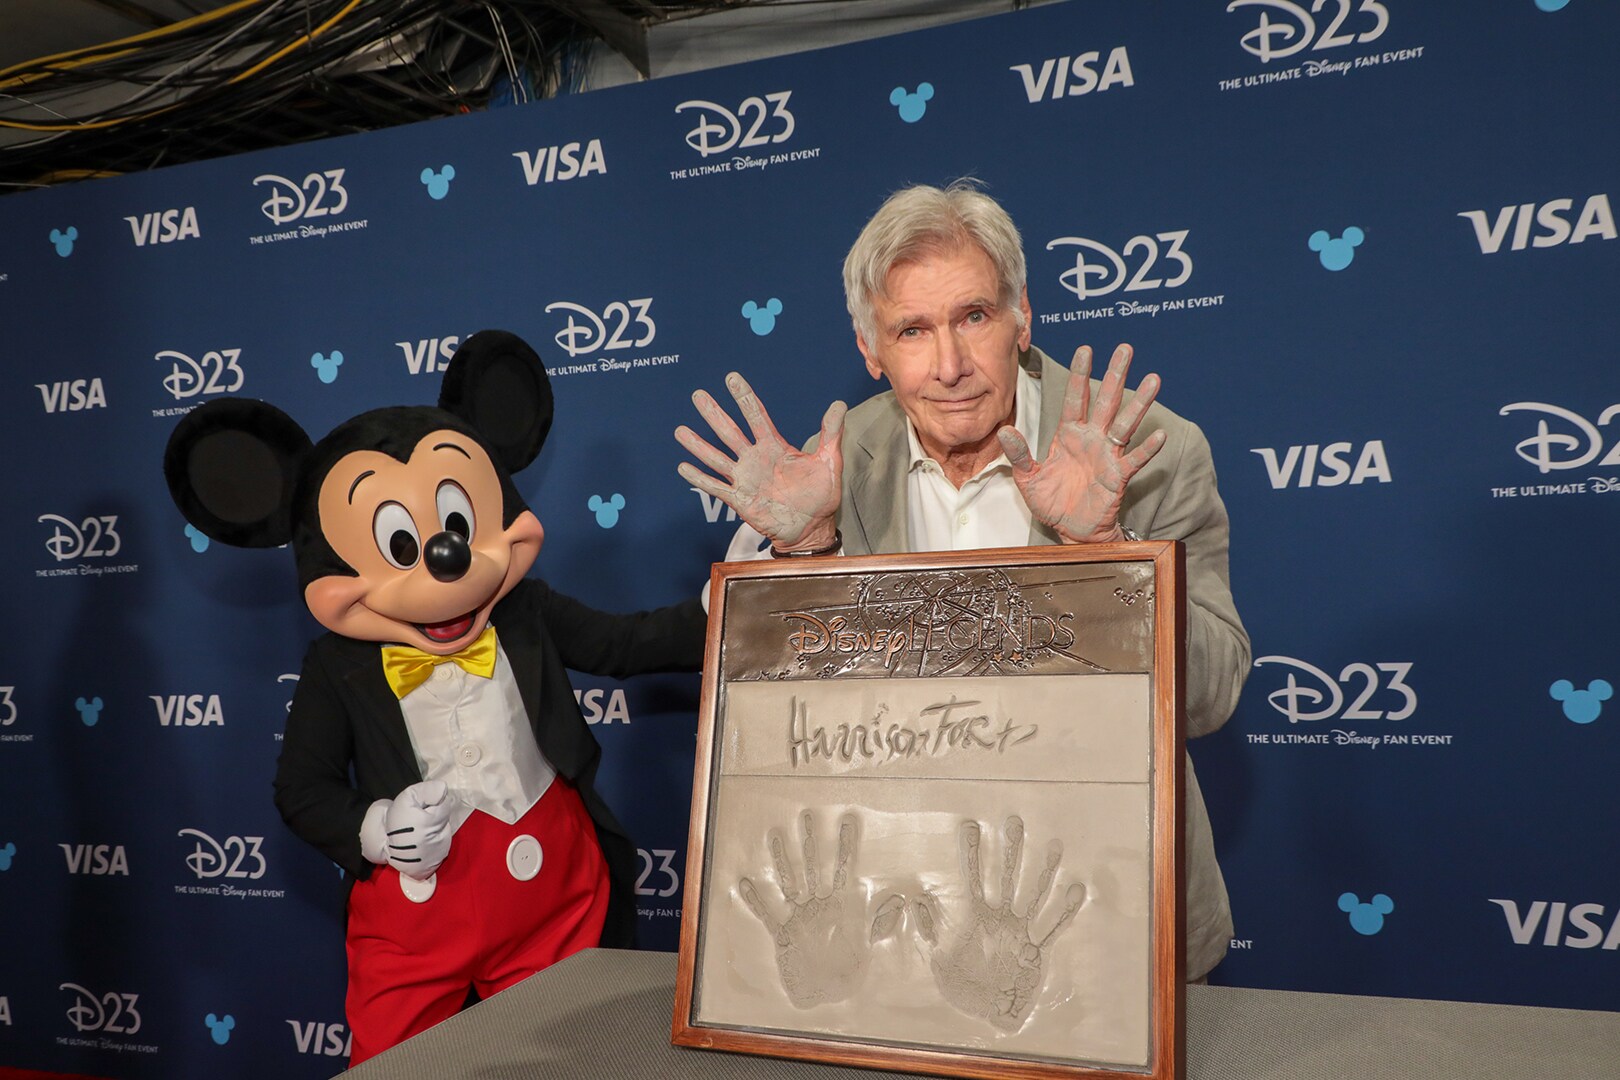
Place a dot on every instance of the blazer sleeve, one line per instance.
(1190, 510)
(663, 639)
(313, 791)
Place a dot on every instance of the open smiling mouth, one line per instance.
(450, 629)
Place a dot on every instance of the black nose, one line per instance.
(447, 556)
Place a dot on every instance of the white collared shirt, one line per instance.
(474, 734)
(986, 511)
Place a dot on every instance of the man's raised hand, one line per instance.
(1079, 487)
(788, 495)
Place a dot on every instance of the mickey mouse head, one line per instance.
(220, 1028)
(1337, 254)
(64, 240)
(1581, 706)
(911, 104)
(607, 513)
(762, 320)
(89, 711)
(1366, 918)
(405, 524)
(326, 367)
(6, 854)
(199, 540)
(438, 183)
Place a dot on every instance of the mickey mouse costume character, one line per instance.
(478, 845)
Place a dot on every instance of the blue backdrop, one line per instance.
(1370, 249)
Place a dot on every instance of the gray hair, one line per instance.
(919, 221)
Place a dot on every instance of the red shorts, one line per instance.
(410, 964)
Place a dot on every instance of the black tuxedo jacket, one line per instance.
(343, 714)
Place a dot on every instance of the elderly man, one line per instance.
(942, 461)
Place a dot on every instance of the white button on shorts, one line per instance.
(418, 892)
(523, 857)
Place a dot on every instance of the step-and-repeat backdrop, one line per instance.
(1370, 245)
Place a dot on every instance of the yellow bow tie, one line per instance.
(406, 667)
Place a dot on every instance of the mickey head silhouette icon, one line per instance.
(912, 104)
(607, 512)
(64, 240)
(1581, 706)
(762, 320)
(438, 183)
(326, 367)
(220, 1028)
(1366, 918)
(1336, 254)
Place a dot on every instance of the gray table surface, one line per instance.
(605, 1013)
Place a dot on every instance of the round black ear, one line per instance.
(497, 384)
(232, 465)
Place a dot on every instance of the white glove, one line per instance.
(418, 828)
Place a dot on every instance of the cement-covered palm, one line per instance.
(1079, 486)
(789, 495)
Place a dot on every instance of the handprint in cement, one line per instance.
(991, 968)
(822, 945)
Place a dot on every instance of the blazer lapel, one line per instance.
(1053, 378)
(878, 489)
(378, 704)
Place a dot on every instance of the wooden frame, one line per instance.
(881, 740)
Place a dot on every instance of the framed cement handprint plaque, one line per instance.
(936, 814)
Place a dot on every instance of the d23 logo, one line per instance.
(1548, 450)
(1299, 701)
(719, 129)
(8, 708)
(1109, 268)
(1297, 30)
(218, 372)
(91, 538)
(114, 1013)
(318, 195)
(586, 331)
(665, 871)
(237, 857)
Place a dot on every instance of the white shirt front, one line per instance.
(987, 511)
(474, 734)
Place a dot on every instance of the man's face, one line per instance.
(949, 350)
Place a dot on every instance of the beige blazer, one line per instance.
(1173, 498)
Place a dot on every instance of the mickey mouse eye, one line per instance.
(396, 537)
(455, 509)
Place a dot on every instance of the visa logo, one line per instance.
(1326, 466)
(561, 162)
(164, 226)
(1553, 917)
(188, 710)
(98, 859)
(318, 1037)
(429, 354)
(1596, 219)
(72, 395)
